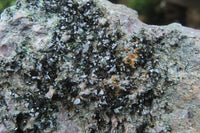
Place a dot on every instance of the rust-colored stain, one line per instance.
(114, 81)
(130, 60)
(85, 88)
(118, 92)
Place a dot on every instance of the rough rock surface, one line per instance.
(90, 66)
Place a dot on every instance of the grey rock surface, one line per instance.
(73, 66)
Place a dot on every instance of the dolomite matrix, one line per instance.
(74, 66)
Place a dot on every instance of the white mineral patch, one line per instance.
(77, 101)
(50, 93)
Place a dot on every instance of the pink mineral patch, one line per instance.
(6, 50)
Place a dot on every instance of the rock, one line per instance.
(91, 66)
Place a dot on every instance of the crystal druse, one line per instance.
(73, 66)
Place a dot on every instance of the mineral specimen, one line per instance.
(72, 66)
